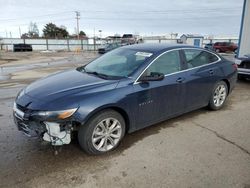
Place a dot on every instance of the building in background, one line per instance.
(192, 39)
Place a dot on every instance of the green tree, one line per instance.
(52, 31)
(82, 33)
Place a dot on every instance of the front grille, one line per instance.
(30, 128)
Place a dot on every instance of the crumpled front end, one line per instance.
(57, 133)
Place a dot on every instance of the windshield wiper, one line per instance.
(98, 74)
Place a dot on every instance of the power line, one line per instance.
(40, 16)
(133, 19)
(138, 12)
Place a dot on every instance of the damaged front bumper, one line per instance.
(57, 133)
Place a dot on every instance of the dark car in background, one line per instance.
(122, 91)
(225, 47)
(128, 39)
(243, 66)
(22, 47)
(209, 46)
(108, 47)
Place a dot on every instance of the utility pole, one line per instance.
(77, 23)
(20, 33)
(100, 31)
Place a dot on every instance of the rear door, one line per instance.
(201, 75)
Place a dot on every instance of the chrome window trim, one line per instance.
(219, 59)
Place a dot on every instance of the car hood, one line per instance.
(67, 83)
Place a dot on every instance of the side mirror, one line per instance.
(154, 76)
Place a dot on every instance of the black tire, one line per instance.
(212, 104)
(217, 50)
(86, 131)
(240, 77)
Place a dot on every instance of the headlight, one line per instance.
(62, 114)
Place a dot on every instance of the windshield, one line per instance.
(117, 63)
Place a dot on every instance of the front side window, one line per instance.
(196, 58)
(165, 64)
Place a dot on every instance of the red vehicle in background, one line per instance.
(225, 47)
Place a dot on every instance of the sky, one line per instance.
(144, 17)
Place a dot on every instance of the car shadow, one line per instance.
(34, 159)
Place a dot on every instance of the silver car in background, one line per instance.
(243, 66)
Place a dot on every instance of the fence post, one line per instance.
(68, 44)
(94, 44)
(81, 45)
(47, 44)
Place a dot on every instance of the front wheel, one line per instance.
(218, 96)
(102, 133)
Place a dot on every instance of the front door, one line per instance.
(158, 100)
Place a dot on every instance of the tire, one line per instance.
(240, 77)
(218, 96)
(96, 136)
(217, 50)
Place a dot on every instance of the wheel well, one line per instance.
(124, 115)
(228, 85)
(117, 109)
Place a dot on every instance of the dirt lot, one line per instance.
(200, 149)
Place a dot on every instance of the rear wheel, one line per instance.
(218, 96)
(102, 133)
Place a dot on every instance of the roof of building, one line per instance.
(192, 35)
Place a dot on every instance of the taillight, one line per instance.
(235, 66)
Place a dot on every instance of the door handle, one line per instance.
(180, 80)
(211, 72)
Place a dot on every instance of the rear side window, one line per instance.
(196, 58)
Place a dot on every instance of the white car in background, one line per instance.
(243, 66)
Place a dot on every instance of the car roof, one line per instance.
(154, 48)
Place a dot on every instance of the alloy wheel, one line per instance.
(106, 134)
(220, 94)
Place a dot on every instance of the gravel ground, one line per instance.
(199, 149)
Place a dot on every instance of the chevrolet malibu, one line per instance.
(125, 90)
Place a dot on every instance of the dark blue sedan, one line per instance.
(125, 90)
